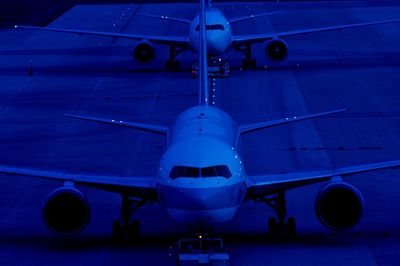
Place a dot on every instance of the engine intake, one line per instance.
(66, 211)
(276, 50)
(144, 52)
(339, 206)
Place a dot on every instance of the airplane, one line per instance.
(219, 37)
(201, 178)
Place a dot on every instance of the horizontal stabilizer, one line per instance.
(250, 17)
(277, 122)
(140, 126)
(165, 18)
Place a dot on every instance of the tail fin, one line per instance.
(203, 75)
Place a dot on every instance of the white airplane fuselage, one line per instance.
(218, 33)
(203, 137)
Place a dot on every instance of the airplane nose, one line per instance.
(205, 205)
(201, 198)
(215, 44)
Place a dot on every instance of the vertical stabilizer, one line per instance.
(203, 77)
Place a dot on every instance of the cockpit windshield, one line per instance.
(210, 171)
(181, 171)
(212, 27)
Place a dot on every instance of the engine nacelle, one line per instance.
(276, 50)
(66, 211)
(144, 52)
(339, 206)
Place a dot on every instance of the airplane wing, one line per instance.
(249, 17)
(178, 41)
(249, 39)
(269, 184)
(166, 18)
(139, 186)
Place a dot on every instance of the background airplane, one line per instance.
(201, 176)
(219, 37)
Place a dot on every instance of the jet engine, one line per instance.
(276, 49)
(339, 206)
(66, 211)
(144, 52)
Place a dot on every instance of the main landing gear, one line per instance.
(124, 228)
(280, 226)
(248, 62)
(172, 63)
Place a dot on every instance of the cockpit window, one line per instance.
(192, 172)
(211, 171)
(218, 170)
(208, 171)
(212, 27)
(223, 170)
(184, 171)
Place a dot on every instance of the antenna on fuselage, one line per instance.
(203, 74)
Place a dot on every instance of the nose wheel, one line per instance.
(280, 226)
(124, 228)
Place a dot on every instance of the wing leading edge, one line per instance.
(249, 39)
(139, 186)
(177, 41)
(262, 185)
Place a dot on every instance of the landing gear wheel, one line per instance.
(287, 229)
(172, 65)
(272, 227)
(117, 230)
(291, 227)
(244, 63)
(134, 230)
(253, 63)
(280, 225)
(249, 63)
(129, 232)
